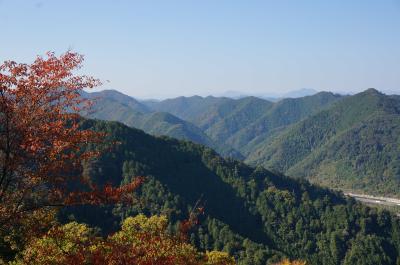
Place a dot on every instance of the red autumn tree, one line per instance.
(42, 148)
(40, 140)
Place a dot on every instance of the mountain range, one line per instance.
(271, 96)
(352, 145)
(257, 216)
(343, 142)
(115, 106)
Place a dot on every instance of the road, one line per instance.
(375, 200)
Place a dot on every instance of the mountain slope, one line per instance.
(276, 118)
(114, 106)
(255, 215)
(353, 144)
(295, 136)
(246, 122)
(303, 92)
(188, 108)
(116, 96)
(371, 162)
(235, 116)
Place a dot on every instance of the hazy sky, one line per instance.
(169, 48)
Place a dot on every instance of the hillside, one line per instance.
(114, 106)
(343, 142)
(281, 114)
(234, 116)
(352, 145)
(188, 108)
(116, 96)
(255, 215)
(243, 123)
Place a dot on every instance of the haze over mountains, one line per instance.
(344, 142)
(271, 96)
(115, 106)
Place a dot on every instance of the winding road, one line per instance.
(375, 200)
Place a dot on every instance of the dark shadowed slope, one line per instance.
(255, 215)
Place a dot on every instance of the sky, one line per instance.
(167, 48)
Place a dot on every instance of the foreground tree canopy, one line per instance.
(40, 140)
(140, 241)
(42, 150)
(68, 184)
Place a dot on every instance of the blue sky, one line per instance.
(167, 48)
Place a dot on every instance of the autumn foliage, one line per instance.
(40, 140)
(141, 240)
(42, 150)
(294, 262)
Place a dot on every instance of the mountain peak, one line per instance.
(372, 91)
(300, 93)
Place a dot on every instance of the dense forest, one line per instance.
(342, 142)
(46, 171)
(200, 132)
(114, 106)
(84, 191)
(253, 214)
(352, 145)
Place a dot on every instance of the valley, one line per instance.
(200, 132)
(340, 142)
(374, 199)
(255, 215)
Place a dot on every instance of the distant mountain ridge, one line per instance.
(114, 106)
(303, 92)
(246, 122)
(272, 96)
(344, 142)
(354, 144)
(119, 97)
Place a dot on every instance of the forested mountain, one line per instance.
(232, 116)
(274, 119)
(245, 122)
(302, 92)
(119, 97)
(209, 111)
(241, 124)
(355, 144)
(253, 214)
(114, 106)
(345, 142)
(188, 108)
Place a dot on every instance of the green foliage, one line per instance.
(253, 214)
(195, 109)
(341, 142)
(58, 245)
(276, 118)
(353, 145)
(141, 240)
(114, 106)
(244, 123)
(223, 124)
(368, 250)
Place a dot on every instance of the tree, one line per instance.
(294, 262)
(41, 143)
(367, 250)
(141, 241)
(217, 257)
